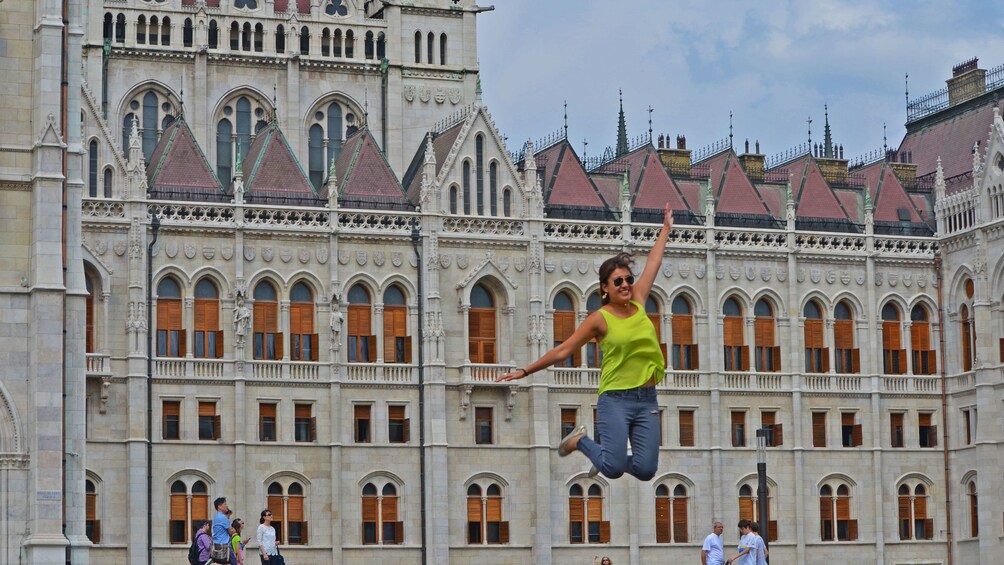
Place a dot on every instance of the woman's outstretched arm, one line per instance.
(641, 288)
(592, 327)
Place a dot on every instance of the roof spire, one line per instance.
(650, 123)
(827, 138)
(566, 119)
(622, 143)
(275, 101)
(885, 144)
(239, 167)
(730, 128)
(809, 121)
(181, 98)
(585, 145)
(906, 85)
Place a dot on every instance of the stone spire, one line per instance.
(428, 173)
(136, 146)
(622, 143)
(939, 182)
(827, 138)
(332, 184)
(238, 176)
(625, 200)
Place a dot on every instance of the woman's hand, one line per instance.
(512, 376)
(667, 220)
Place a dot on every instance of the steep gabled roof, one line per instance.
(364, 178)
(179, 169)
(692, 195)
(952, 139)
(565, 180)
(888, 195)
(650, 185)
(441, 144)
(814, 198)
(271, 170)
(733, 190)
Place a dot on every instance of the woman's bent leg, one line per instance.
(644, 432)
(610, 454)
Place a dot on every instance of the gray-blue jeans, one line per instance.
(621, 414)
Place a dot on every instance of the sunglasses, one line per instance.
(620, 280)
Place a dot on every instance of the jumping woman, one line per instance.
(632, 365)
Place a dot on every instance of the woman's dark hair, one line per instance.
(263, 512)
(624, 260)
(236, 524)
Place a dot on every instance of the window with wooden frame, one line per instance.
(749, 509)
(594, 353)
(817, 357)
(924, 356)
(482, 346)
(483, 425)
(893, 353)
(564, 326)
(484, 515)
(187, 508)
(396, 341)
(296, 521)
(774, 431)
(170, 329)
(914, 522)
(304, 423)
(209, 421)
(89, 331)
(927, 431)
(267, 339)
(684, 348)
(275, 502)
(92, 526)
(569, 417)
(654, 314)
(850, 430)
(686, 428)
(847, 356)
(672, 524)
(267, 422)
(737, 356)
(380, 515)
(208, 343)
(835, 514)
(897, 432)
(362, 342)
(819, 429)
(171, 419)
(585, 515)
(974, 520)
(968, 337)
(398, 425)
(302, 336)
(738, 428)
(767, 353)
(968, 425)
(362, 428)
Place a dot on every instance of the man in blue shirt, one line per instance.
(222, 530)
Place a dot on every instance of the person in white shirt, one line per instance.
(713, 551)
(746, 556)
(265, 536)
(761, 546)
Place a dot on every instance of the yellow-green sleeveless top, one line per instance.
(631, 352)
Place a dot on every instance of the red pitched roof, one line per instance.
(271, 169)
(565, 180)
(951, 139)
(814, 198)
(775, 198)
(609, 185)
(442, 143)
(849, 200)
(734, 193)
(178, 167)
(691, 191)
(364, 175)
(651, 187)
(887, 193)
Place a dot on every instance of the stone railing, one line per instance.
(912, 384)
(177, 368)
(98, 209)
(755, 381)
(193, 214)
(395, 373)
(483, 226)
(355, 221)
(961, 382)
(98, 365)
(570, 230)
(482, 373)
(298, 218)
(676, 380)
(832, 383)
(577, 377)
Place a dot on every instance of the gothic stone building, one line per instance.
(297, 252)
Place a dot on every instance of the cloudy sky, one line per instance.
(773, 64)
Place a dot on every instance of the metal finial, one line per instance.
(906, 88)
(585, 144)
(730, 128)
(566, 119)
(885, 146)
(650, 123)
(809, 121)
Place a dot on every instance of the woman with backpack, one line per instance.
(237, 557)
(202, 545)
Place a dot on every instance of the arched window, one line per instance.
(817, 357)
(893, 354)
(914, 522)
(120, 28)
(684, 346)
(350, 44)
(303, 340)
(479, 179)
(481, 322)
(924, 357)
(208, 336)
(259, 38)
(336, 43)
(108, 29)
(396, 341)
(835, 514)
(170, 335)
(214, 34)
(453, 199)
(847, 356)
(749, 508)
(418, 47)
(165, 31)
(92, 526)
(381, 46)
(507, 202)
(224, 157)
(188, 507)
(141, 30)
(737, 356)
(467, 186)
(362, 342)
(280, 39)
(484, 515)
(654, 313)
(585, 515)
(326, 138)
(92, 169)
(430, 44)
(154, 30)
(493, 188)
(564, 326)
(235, 36)
(594, 353)
(369, 45)
(187, 33)
(442, 49)
(151, 119)
(974, 521)
(288, 513)
(89, 335)
(671, 514)
(381, 524)
(304, 41)
(325, 42)
(315, 155)
(108, 183)
(766, 352)
(267, 339)
(235, 131)
(968, 328)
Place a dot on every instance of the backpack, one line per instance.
(193, 551)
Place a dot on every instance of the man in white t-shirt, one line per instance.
(746, 555)
(713, 552)
(761, 547)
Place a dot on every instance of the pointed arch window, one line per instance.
(380, 515)
(453, 198)
(92, 525)
(430, 48)
(280, 39)
(224, 158)
(737, 356)
(92, 169)
(817, 357)
(89, 332)
(208, 336)
(108, 29)
(267, 339)
(350, 44)
(304, 41)
(684, 347)
(170, 332)
(187, 33)
(120, 28)
(847, 356)
(151, 120)
(303, 339)
(479, 179)
(154, 30)
(585, 514)
(362, 342)
(108, 182)
(924, 358)
(369, 45)
(187, 507)
(484, 515)
(564, 326)
(493, 188)
(418, 47)
(972, 499)
(381, 46)
(672, 524)
(442, 49)
(654, 313)
(141, 30)
(326, 136)
(968, 326)
(214, 35)
(481, 322)
(396, 341)
(914, 522)
(165, 31)
(315, 155)
(893, 353)
(467, 186)
(259, 38)
(507, 202)
(767, 353)
(594, 353)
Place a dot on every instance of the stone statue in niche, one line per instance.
(242, 318)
